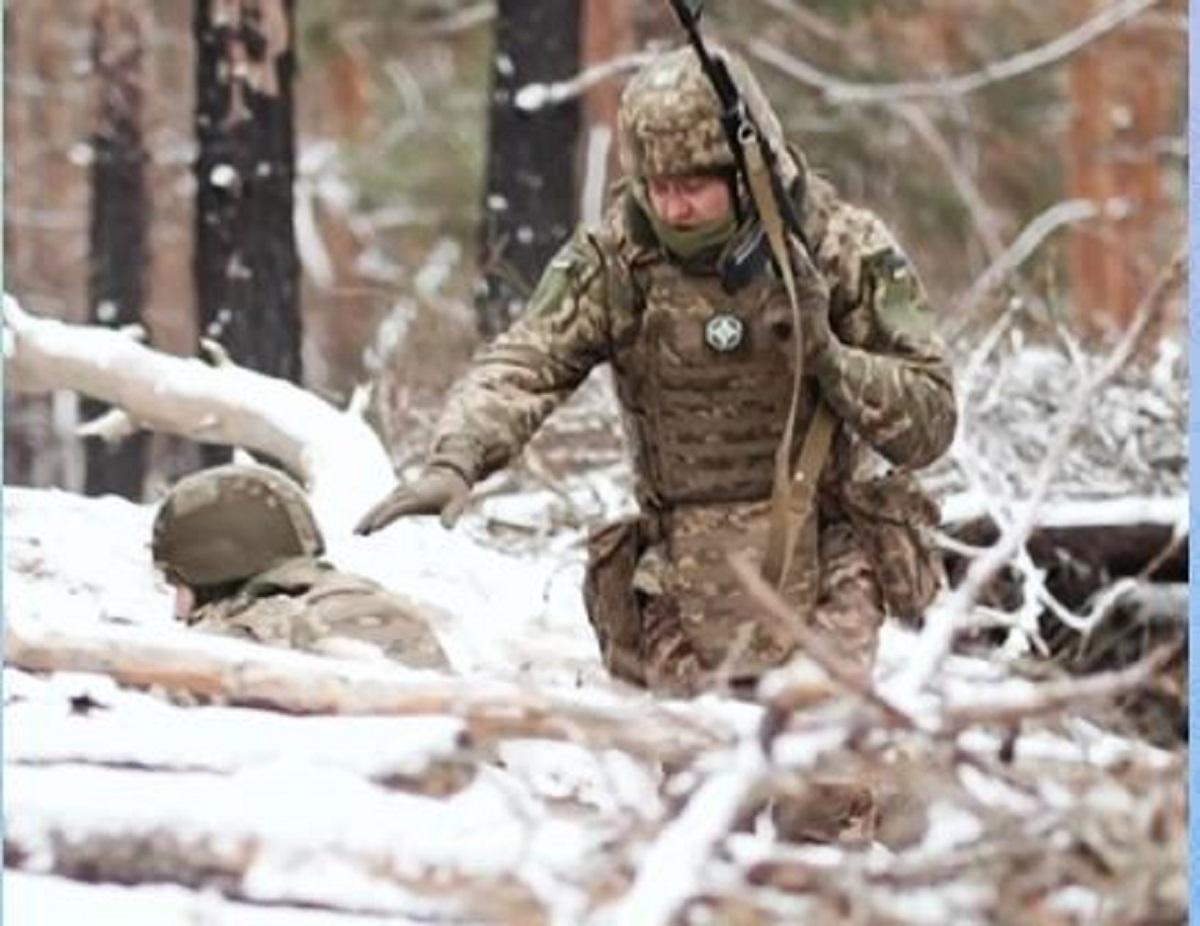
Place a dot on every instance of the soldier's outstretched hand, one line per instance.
(439, 490)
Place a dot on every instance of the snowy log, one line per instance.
(241, 673)
(1123, 534)
(281, 833)
(336, 455)
(34, 900)
(79, 719)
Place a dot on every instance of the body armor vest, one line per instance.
(706, 385)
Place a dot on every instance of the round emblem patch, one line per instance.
(724, 332)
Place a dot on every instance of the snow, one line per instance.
(415, 819)
(38, 900)
(140, 730)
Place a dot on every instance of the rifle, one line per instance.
(742, 131)
(758, 163)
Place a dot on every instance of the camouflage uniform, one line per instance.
(243, 540)
(703, 370)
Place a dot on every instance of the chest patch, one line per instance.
(724, 332)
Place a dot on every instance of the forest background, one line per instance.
(1041, 137)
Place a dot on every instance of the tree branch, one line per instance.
(942, 623)
(225, 404)
(842, 92)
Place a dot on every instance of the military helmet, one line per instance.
(231, 522)
(670, 119)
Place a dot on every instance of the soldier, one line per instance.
(241, 548)
(677, 291)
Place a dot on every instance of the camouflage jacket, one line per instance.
(704, 421)
(889, 384)
(305, 603)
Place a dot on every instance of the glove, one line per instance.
(439, 490)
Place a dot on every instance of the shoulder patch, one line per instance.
(899, 297)
(570, 268)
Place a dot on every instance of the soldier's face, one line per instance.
(691, 200)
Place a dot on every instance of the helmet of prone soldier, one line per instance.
(669, 121)
(231, 522)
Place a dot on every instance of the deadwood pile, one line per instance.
(158, 775)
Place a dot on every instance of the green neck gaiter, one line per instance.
(690, 243)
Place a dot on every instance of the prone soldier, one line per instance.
(241, 548)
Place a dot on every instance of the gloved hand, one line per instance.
(439, 490)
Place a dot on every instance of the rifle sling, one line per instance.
(792, 495)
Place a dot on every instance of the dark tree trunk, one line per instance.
(245, 263)
(119, 218)
(530, 202)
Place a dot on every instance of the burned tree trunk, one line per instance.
(529, 200)
(245, 263)
(119, 217)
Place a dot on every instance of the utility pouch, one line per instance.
(609, 596)
(892, 517)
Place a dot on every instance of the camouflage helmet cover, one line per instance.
(231, 522)
(670, 119)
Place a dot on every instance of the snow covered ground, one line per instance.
(129, 806)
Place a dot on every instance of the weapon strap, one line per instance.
(792, 494)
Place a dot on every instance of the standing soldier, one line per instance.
(241, 548)
(678, 290)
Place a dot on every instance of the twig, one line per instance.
(837, 668)
(977, 207)
(1028, 241)
(671, 871)
(1050, 697)
(839, 91)
(458, 21)
(112, 427)
(939, 630)
(818, 25)
(533, 97)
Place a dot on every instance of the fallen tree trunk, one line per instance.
(68, 721)
(239, 673)
(393, 853)
(223, 404)
(1121, 535)
(35, 899)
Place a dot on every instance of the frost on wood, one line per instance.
(185, 775)
(189, 776)
(224, 404)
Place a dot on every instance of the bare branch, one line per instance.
(1051, 697)
(842, 92)
(1027, 242)
(237, 672)
(981, 213)
(837, 668)
(533, 97)
(806, 19)
(112, 427)
(941, 624)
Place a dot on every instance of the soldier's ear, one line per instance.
(641, 232)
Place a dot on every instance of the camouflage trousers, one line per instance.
(848, 614)
(672, 615)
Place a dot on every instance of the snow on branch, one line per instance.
(240, 673)
(942, 622)
(533, 97)
(1029, 240)
(337, 456)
